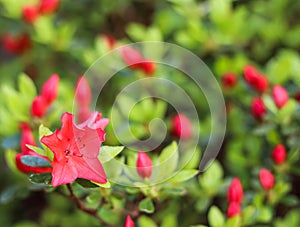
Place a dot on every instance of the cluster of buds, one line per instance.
(16, 44)
(47, 96)
(31, 13)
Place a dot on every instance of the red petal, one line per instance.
(63, 172)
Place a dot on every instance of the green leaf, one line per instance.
(168, 160)
(183, 175)
(86, 183)
(108, 215)
(234, 221)
(11, 142)
(36, 149)
(26, 86)
(8, 194)
(109, 152)
(43, 178)
(146, 205)
(169, 220)
(44, 131)
(145, 221)
(264, 214)
(211, 179)
(34, 161)
(215, 217)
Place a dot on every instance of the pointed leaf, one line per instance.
(109, 152)
(183, 175)
(43, 178)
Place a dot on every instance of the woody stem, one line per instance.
(80, 205)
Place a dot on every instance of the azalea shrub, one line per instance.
(97, 131)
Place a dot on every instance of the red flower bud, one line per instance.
(31, 169)
(144, 165)
(233, 209)
(235, 191)
(48, 6)
(39, 106)
(27, 137)
(258, 108)
(229, 80)
(279, 154)
(83, 94)
(129, 222)
(266, 179)
(297, 96)
(181, 126)
(148, 67)
(135, 60)
(256, 80)
(111, 41)
(280, 96)
(50, 89)
(30, 13)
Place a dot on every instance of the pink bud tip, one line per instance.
(128, 222)
(280, 96)
(30, 13)
(181, 126)
(258, 108)
(279, 154)
(266, 178)
(39, 106)
(144, 165)
(50, 89)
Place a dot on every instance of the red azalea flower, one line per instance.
(280, 96)
(266, 178)
(128, 222)
(38, 107)
(229, 80)
(76, 151)
(181, 126)
(233, 209)
(235, 191)
(144, 165)
(50, 89)
(279, 154)
(48, 6)
(30, 13)
(111, 41)
(258, 108)
(95, 121)
(27, 138)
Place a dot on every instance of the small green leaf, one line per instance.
(146, 205)
(109, 152)
(44, 131)
(106, 185)
(43, 178)
(26, 86)
(8, 194)
(109, 215)
(234, 221)
(183, 175)
(145, 221)
(36, 149)
(215, 217)
(34, 161)
(168, 160)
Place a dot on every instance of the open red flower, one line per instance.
(76, 149)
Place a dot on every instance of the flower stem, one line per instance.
(80, 205)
